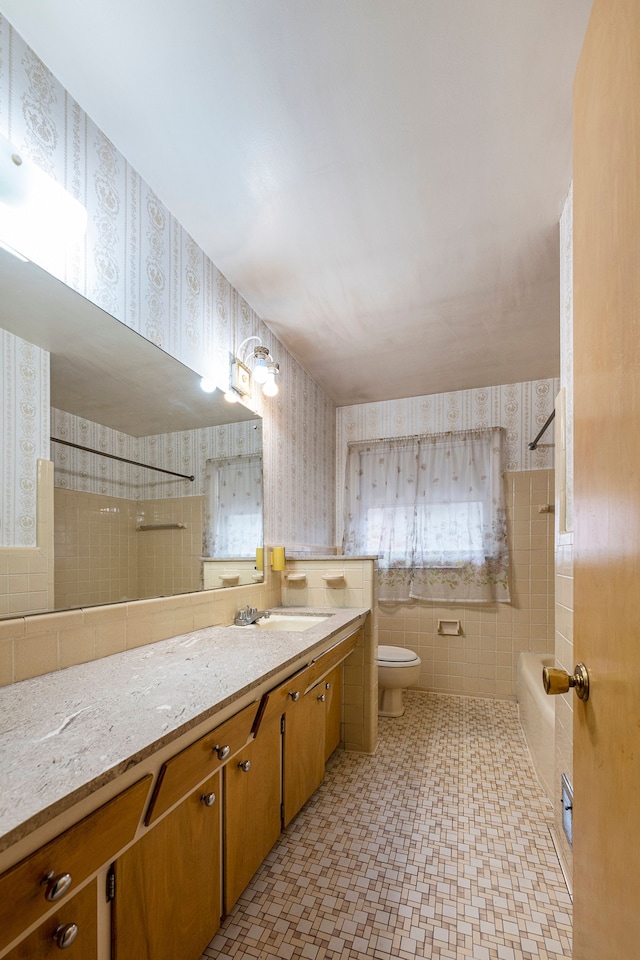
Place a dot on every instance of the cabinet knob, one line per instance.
(223, 752)
(57, 886)
(208, 799)
(328, 686)
(322, 698)
(64, 935)
(295, 695)
(245, 765)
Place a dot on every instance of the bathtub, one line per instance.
(537, 716)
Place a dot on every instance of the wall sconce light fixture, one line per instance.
(39, 219)
(264, 373)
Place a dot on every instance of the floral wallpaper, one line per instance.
(184, 452)
(24, 414)
(521, 408)
(139, 264)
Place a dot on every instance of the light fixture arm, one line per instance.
(243, 344)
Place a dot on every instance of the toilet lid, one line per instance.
(395, 655)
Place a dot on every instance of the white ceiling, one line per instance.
(381, 179)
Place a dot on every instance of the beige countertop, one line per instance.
(65, 734)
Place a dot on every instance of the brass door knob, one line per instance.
(559, 681)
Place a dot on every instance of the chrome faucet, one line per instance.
(250, 615)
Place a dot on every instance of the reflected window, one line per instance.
(233, 507)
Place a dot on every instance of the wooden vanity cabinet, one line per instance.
(303, 749)
(57, 931)
(167, 898)
(53, 873)
(252, 818)
(333, 710)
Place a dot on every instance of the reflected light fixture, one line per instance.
(208, 385)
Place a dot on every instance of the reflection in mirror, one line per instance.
(122, 531)
(233, 519)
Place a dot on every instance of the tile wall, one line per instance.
(26, 573)
(344, 582)
(101, 557)
(34, 645)
(482, 660)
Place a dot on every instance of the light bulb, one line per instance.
(260, 372)
(207, 384)
(231, 396)
(270, 387)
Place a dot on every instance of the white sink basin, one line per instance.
(283, 621)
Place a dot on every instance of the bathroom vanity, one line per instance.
(141, 792)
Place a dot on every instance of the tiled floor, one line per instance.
(436, 847)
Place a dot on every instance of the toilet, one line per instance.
(398, 668)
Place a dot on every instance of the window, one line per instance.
(432, 509)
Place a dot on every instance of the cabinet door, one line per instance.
(70, 858)
(303, 749)
(333, 723)
(49, 938)
(167, 895)
(252, 796)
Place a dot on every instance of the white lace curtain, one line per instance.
(233, 507)
(432, 509)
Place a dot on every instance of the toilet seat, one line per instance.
(396, 656)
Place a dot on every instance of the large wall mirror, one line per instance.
(122, 530)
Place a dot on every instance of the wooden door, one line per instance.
(607, 483)
(252, 799)
(303, 751)
(167, 899)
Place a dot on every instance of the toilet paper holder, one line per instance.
(449, 628)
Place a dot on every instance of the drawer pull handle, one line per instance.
(57, 886)
(322, 698)
(65, 935)
(295, 695)
(208, 799)
(223, 752)
(245, 765)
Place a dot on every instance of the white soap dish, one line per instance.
(333, 578)
(296, 577)
(230, 577)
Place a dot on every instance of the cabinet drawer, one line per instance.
(288, 692)
(80, 910)
(188, 768)
(332, 657)
(77, 852)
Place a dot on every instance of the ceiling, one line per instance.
(381, 179)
